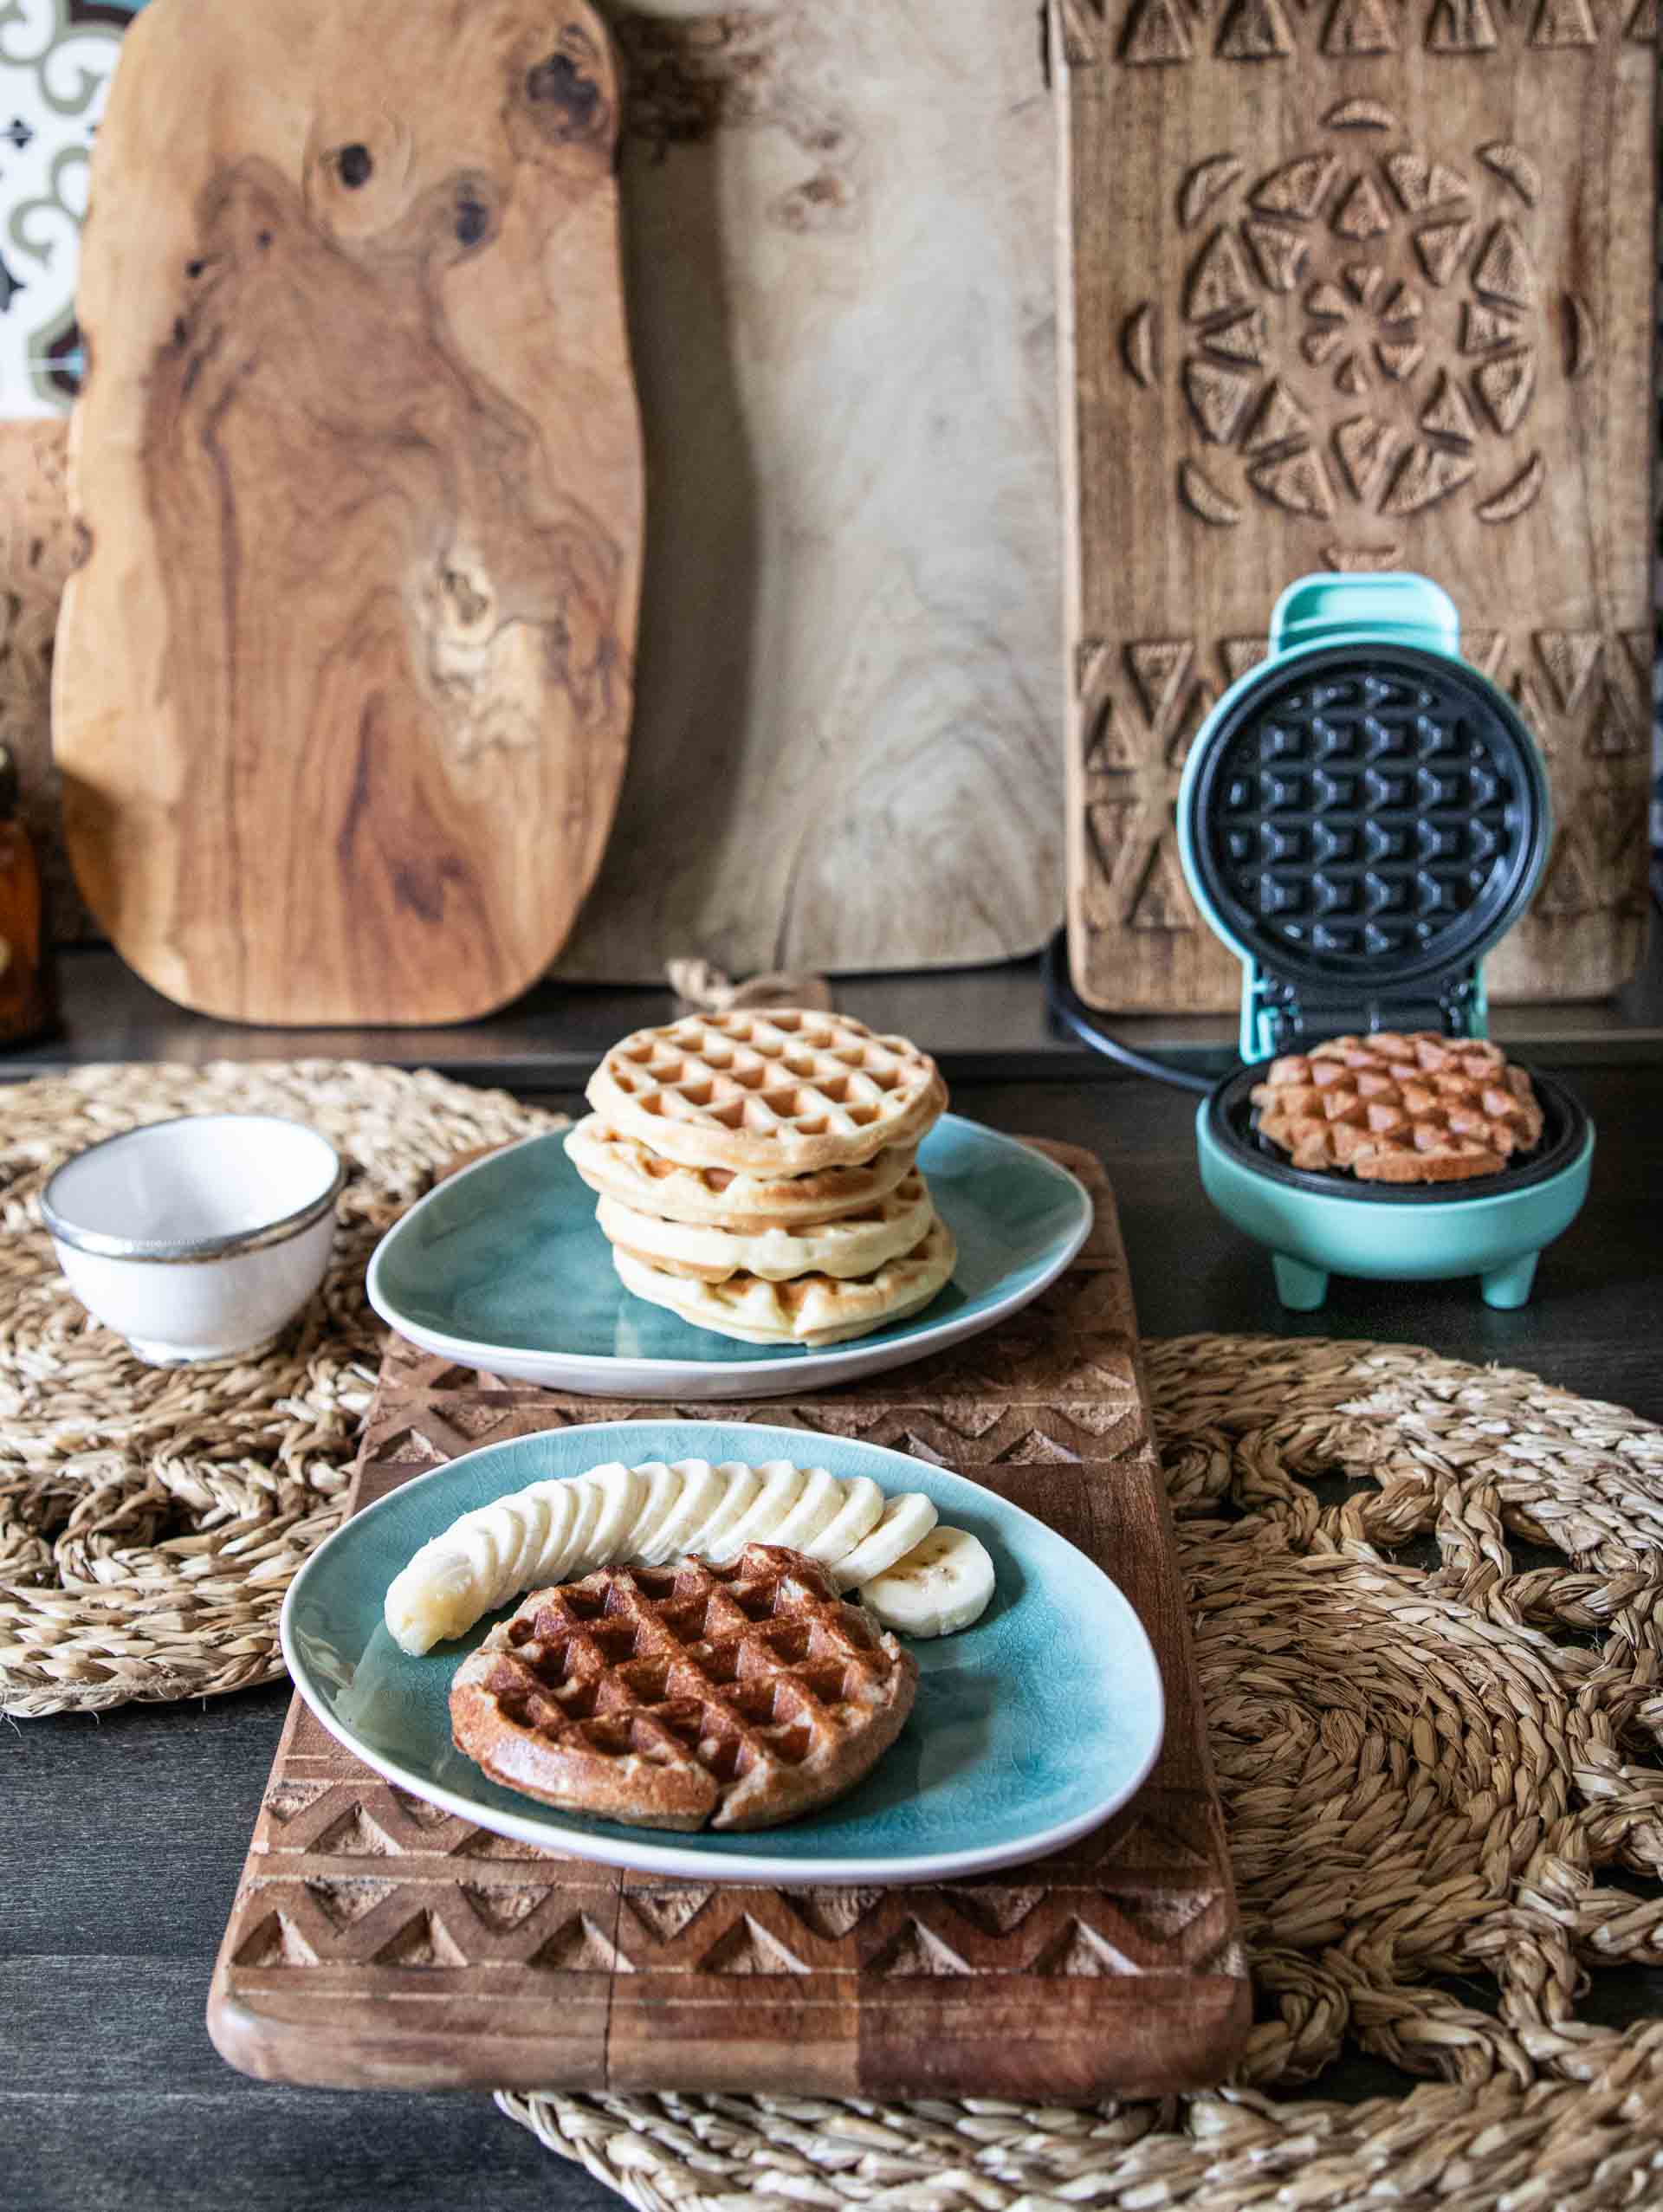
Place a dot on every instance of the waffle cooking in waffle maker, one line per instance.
(1362, 817)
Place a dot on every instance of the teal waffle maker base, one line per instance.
(1362, 818)
(1425, 1237)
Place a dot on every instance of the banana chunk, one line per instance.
(483, 1558)
(645, 1516)
(623, 1494)
(703, 1487)
(941, 1585)
(906, 1520)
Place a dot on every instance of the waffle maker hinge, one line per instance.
(1279, 1015)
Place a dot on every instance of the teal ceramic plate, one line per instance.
(504, 1266)
(1030, 1728)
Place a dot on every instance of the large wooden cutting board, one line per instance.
(343, 677)
(377, 1941)
(1356, 284)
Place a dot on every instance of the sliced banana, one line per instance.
(435, 1595)
(906, 1520)
(579, 1552)
(482, 1559)
(942, 1584)
(703, 1488)
(858, 1514)
(664, 1487)
(623, 1491)
(548, 1511)
(781, 1488)
(914, 1576)
(819, 1503)
(742, 1484)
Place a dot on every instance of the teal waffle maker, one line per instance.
(1362, 817)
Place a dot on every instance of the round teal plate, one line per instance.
(1029, 1728)
(504, 1266)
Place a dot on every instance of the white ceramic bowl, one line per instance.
(200, 1238)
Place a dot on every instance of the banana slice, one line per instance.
(860, 1511)
(546, 1511)
(434, 1596)
(703, 1488)
(664, 1487)
(482, 1559)
(941, 1585)
(554, 1546)
(914, 1576)
(623, 1491)
(781, 1488)
(819, 1503)
(906, 1520)
(743, 1484)
(577, 1553)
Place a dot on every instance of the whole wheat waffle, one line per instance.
(1394, 1108)
(855, 1246)
(625, 1168)
(685, 1697)
(784, 1092)
(813, 1310)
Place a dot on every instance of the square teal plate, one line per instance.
(504, 1267)
(1030, 1728)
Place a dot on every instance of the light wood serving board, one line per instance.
(1353, 285)
(344, 673)
(375, 1941)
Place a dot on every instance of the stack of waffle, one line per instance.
(757, 1175)
(1399, 1108)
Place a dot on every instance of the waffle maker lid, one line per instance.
(1362, 817)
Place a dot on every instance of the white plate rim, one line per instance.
(685, 1860)
(744, 1377)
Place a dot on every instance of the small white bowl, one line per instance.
(199, 1238)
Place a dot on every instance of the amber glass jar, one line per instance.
(25, 983)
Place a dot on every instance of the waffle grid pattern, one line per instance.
(1398, 1110)
(754, 1676)
(792, 1088)
(1362, 817)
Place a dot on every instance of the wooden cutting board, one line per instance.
(1355, 285)
(343, 676)
(376, 1941)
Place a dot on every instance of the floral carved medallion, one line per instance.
(1361, 332)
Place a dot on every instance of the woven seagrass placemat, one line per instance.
(152, 1518)
(1427, 1601)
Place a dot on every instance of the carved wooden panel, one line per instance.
(1358, 284)
(36, 551)
(376, 1940)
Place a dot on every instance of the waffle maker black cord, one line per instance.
(1075, 1015)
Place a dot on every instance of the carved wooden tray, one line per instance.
(1355, 285)
(376, 1941)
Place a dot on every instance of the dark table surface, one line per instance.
(121, 1837)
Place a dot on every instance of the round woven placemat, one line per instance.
(151, 1518)
(1426, 1600)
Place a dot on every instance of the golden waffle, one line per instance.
(855, 1246)
(625, 1168)
(813, 1310)
(1394, 1108)
(685, 1697)
(784, 1092)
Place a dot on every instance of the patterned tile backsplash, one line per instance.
(56, 58)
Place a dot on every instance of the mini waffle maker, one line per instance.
(1362, 816)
